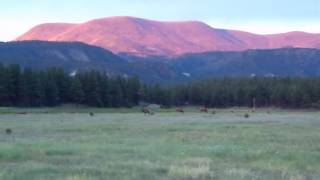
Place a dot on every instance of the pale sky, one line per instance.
(257, 16)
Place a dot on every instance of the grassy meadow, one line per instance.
(124, 144)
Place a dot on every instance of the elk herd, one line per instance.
(148, 111)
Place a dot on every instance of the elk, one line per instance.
(204, 110)
(180, 110)
(147, 111)
(8, 131)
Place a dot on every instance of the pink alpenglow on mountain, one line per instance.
(143, 37)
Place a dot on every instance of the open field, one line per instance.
(67, 143)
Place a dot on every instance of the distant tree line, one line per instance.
(285, 92)
(52, 87)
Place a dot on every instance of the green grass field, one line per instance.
(66, 143)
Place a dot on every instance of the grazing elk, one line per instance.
(180, 110)
(204, 110)
(8, 131)
(147, 111)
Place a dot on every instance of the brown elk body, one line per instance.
(147, 111)
(8, 131)
(180, 110)
(204, 110)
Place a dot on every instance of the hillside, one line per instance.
(72, 56)
(267, 63)
(81, 57)
(75, 56)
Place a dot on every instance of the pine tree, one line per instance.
(4, 80)
(92, 89)
(76, 91)
(133, 87)
(51, 92)
(116, 93)
(14, 84)
(105, 91)
(32, 93)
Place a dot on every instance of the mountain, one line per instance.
(263, 63)
(71, 56)
(142, 37)
(75, 57)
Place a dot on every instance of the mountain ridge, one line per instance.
(143, 37)
(76, 57)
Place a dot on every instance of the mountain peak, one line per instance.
(137, 19)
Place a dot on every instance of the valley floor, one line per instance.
(70, 144)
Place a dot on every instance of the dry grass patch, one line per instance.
(192, 167)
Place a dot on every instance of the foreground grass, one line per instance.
(280, 145)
